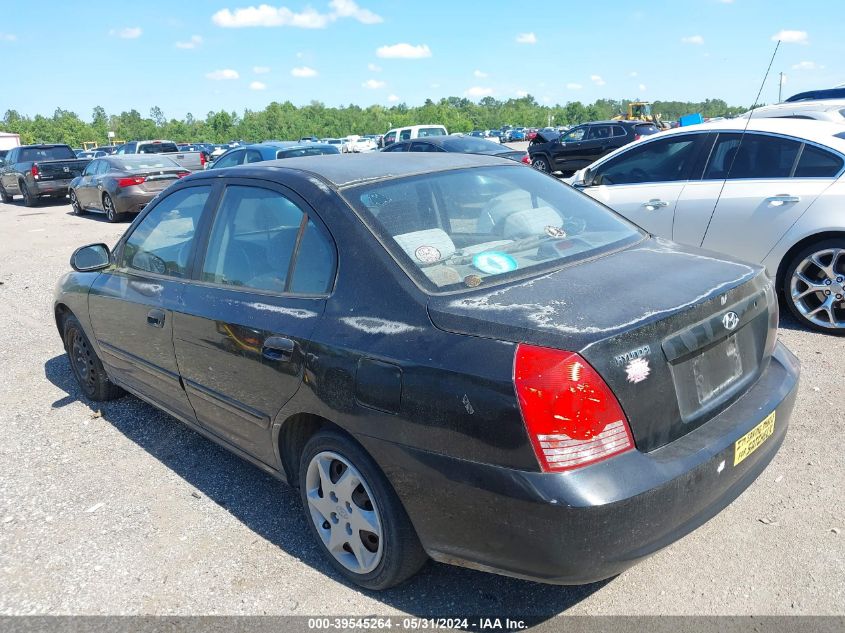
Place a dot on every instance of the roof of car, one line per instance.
(817, 131)
(353, 169)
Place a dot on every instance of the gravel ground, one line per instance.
(120, 509)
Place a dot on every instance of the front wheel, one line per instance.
(814, 286)
(541, 164)
(4, 196)
(354, 514)
(86, 366)
(74, 204)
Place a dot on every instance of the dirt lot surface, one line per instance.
(120, 509)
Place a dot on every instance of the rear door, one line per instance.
(645, 182)
(243, 327)
(772, 182)
(131, 305)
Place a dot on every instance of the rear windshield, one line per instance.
(431, 131)
(153, 162)
(157, 148)
(646, 128)
(306, 151)
(470, 145)
(458, 229)
(33, 154)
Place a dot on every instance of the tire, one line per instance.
(86, 366)
(541, 164)
(4, 197)
(390, 551)
(74, 204)
(28, 199)
(108, 206)
(814, 286)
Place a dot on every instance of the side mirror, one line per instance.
(89, 258)
(587, 177)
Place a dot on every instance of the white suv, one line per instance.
(832, 110)
(413, 131)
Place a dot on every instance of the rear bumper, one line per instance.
(132, 199)
(592, 523)
(49, 187)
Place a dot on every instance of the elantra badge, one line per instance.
(730, 320)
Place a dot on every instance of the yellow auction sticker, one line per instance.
(752, 440)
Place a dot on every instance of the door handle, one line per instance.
(655, 203)
(782, 198)
(155, 318)
(278, 348)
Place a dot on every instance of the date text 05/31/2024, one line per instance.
(413, 624)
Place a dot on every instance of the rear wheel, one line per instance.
(354, 514)
(86, 366)
(74, 204)
(4, 197)
(814, 286)
(108, 207)
(29, 200)
(541, 164)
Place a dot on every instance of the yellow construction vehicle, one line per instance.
(640, 111)
(90, 145)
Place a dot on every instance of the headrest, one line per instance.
(426, 247)
(530, 222)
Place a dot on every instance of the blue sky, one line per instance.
(192, 56)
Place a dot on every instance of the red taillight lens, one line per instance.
(526, 159)
(202, 159)
(34, 171)
(182, 174)
(572, 416)
(637, 137)
(130, 182)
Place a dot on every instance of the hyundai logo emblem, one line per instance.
(730, 320)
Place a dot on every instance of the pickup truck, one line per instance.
(35, 171)
(193, 161)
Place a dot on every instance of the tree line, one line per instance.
(285, 121)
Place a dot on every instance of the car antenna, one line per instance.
(739, 145)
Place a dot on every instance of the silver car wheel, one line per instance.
(343, 510)
(817, 288)
(539, 164)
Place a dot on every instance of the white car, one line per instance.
(413, 131)
(831, 110)
(774, 194)
(358, 144)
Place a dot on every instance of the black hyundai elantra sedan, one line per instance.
(450, 356)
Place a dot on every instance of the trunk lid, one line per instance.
(652, 320)
(158, 180)
(61, 169)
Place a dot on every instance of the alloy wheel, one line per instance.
(343, 510)
(539, 164)
(74, 203)
(108, 205)
(817, 288)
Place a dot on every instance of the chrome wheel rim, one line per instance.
(817, 288)
(344, 512)
(539, 164)
(109, 205)
(82, 361)
(74, 202)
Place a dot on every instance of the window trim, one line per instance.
(308, 213)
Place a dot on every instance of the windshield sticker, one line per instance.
(494, 263)
(555, 232)
(427, 254)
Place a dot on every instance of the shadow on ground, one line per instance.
(273, 511)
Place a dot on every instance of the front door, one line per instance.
(131, 305)
(567, 148)
(243, 328)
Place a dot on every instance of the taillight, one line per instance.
(571, 415)
(526, 159)
(202, 160)
(637, 137)
(182, 174)
(34, 171)
(130, 181)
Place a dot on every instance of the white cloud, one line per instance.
(195, 41)
(392, 98)
(261, 70)
(596, 79)
(127, 33)
(404, 51)
(303, 71)
(791, 37)
(373, 68)
(308, 18)
(521, 93)
(478, 91)
(435, 86)
(8, 37)
(257, 85)
(693, 39)
(633, 73)
(526, 38)
(480, 74)
(574, 86)
(221, 75)
(373, 84)
(642, 87)
(726, 1)
(807, 66)
(350, 9)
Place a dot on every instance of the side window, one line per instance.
(598, 132)
(253, 239)
(817, 163)
(405, 135)
(253, 156)
(231, 159)
(665, 160)
(389, 138)
(756, 156)
(102, 167)
(573, 136)
(314, 268)
(162, 242)
(396, 147)
(618, 130)
(91, 167)
(424, 147)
